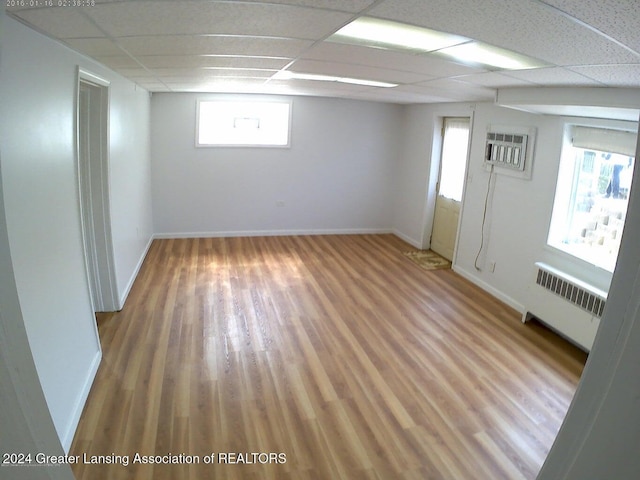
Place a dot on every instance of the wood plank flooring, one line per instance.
(326, 357)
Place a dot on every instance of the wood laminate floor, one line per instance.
(325, 357)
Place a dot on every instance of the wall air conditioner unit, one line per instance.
(569, 306)
(510, 150)
(506, 150)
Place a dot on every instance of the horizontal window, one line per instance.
(590, 205)
(243, 123)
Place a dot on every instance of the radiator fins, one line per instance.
(572, 293)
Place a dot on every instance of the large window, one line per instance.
(243, 123)
(591, 199)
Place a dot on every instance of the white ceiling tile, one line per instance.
(180, 75)
(196, 17)
(134, 73)
(375, 57)
(356, 71)
(221, 85)
(94, 46)
(619, 19)
(309, 87)
(152, 86)
(118, 61)
(342, 5)
(459, 90)
(202, 61)
(554, 76)
(523, 26)
(493, 80)
(213, 44)
(425, 94)
(612, 75)
(61, 22)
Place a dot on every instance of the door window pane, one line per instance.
(454, 157)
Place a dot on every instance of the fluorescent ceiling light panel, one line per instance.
(373, 32)
(287, 75)
(476, 53)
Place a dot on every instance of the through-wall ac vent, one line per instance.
(571, 289)
(506, 150)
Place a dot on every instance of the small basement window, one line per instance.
(243, 123)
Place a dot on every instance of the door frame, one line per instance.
(433, 178)
(94, 192)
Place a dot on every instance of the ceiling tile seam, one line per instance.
(382, 69)
(586, 75)
(584, 24)
(206, 55)
(222, 35)
(321, 40)
(546, 84)
(276, 4)
(461, 78)
(110, 37)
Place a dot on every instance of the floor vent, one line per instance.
(571, 290)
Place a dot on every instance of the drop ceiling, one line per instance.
(240, 46)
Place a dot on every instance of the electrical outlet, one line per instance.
(492, 267)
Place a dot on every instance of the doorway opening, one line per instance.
(450, 186)
(92, 134)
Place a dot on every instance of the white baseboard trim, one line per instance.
(489, 289)
(411, 241)
(272, 233)
(134, 275)
(67, 438)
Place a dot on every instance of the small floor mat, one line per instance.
(428, 259)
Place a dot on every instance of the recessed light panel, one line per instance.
(373, 32)
(476, 53)
(377, 33)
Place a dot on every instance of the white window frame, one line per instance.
(253, 118)
(566, 169)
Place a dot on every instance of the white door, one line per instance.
(453, 163)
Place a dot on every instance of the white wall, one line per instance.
(130, 180)
(38, 78)
(417, 169)
(336, 177)
(519, 210)
(25, 422)
(601, 432)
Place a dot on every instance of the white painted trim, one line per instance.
(107, 294)
(489, 289)
(411, 241)
(67, 438)
(134, 275)
(92, 77)
(428, 213)
(272, 233)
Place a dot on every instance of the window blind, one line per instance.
(604, 140)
